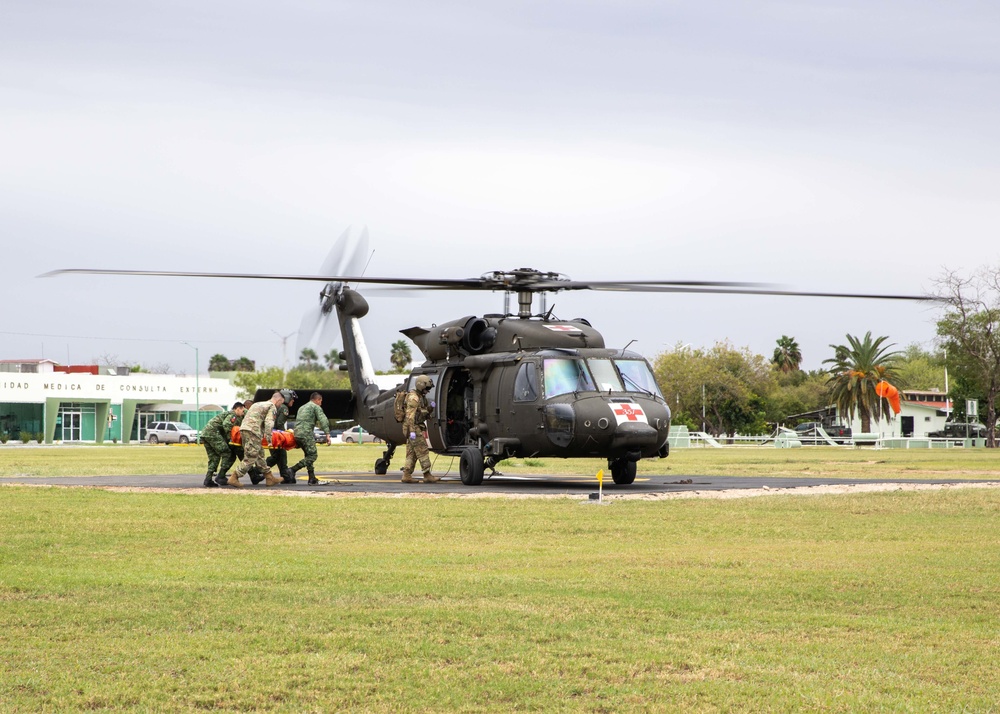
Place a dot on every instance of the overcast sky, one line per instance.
(836, 146)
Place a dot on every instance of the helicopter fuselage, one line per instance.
(508, 387)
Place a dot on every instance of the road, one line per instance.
(520, 485)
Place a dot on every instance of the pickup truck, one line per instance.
(960, 430)
(838, 432)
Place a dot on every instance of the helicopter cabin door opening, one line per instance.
(457, 396)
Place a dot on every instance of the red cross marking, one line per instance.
(629, 411)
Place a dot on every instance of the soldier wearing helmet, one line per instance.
(414, 425)
(309, 417)
(279, 457)
(258, 423)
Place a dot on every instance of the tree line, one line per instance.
(725, 390)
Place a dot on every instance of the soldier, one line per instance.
(258, 421)
(215, 437)
(235, 452)
(279, 457)
(414, 425)
(309, 417)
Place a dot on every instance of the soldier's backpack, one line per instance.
(399, 406)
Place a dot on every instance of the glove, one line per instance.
(413, 435)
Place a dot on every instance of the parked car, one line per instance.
(171, 432)
(808, 432)
(960, 430)
(355, 435)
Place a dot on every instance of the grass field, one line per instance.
(752, 461)
(174, 602)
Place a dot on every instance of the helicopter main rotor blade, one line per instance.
(470, 284)
(520, 283)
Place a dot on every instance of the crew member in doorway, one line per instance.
(414, 426)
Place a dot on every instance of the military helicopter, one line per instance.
(507, 385)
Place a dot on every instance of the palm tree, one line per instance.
(401, 355)
(308, 355)
(854, 373)
(787, 355)
(332, 358)
(244, 364)
(219, 363)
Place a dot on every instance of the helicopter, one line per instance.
(505, 385)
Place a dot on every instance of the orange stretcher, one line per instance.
(279, 439)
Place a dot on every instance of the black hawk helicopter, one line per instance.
(505, 385)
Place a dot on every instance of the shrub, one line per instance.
(25, 437)
(40, 436)
(4, 436)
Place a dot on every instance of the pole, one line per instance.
(703, 408)
(284, 352)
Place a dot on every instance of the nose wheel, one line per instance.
(622, 471)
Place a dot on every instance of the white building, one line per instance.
(87, 403)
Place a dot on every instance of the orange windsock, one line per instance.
(887, 391)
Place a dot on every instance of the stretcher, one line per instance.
(279, 439)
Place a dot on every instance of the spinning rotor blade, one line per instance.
(523, 280)
(307, 328)
(348, 255)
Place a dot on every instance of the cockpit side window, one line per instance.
(563, 376)
(637, 376)
(526, 383)
(605, 375)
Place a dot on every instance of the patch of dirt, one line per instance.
(709, 494)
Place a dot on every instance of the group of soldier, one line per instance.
(255, 420)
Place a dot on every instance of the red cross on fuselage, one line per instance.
(629, 411)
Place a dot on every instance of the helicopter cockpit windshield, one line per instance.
(564, 375)
(637, 376)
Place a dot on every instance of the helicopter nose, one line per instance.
(634, 435)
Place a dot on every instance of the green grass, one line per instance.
(167, 602)
(753, 461)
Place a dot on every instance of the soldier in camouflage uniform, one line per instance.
(279, 457)
(235, 451)
(308, 418)
(258, 421)
(215, 437)
(414, 425)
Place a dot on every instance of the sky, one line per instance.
(832, 146)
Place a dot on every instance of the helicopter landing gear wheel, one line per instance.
(381, 467)
(471, 465)
(622, 471)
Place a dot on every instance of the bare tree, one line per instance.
(970, 332)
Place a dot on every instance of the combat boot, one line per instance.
(430, 478)
(221, 480)
(234, 480)
(270, 479)
(209, 480)
(287, 476)
(255, 476)
(407, 477)
(313, 481)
